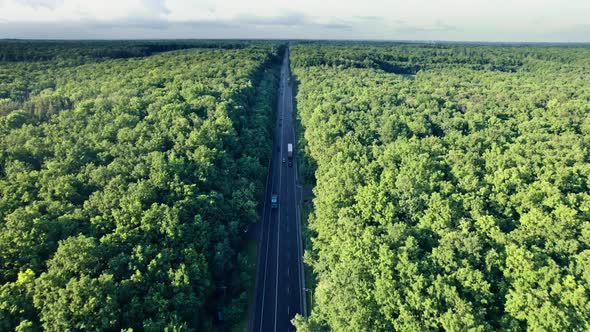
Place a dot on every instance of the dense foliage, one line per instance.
(454, 199)
(92, 51)
(126, 184)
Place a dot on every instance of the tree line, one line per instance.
(455, 198)
(95, 50)
(126, 185)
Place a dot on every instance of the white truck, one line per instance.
(290, 151)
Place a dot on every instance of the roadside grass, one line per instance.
(306, 177)
(251, 250)
(310, 278)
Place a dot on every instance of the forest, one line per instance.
(129, 172)
(451, 186)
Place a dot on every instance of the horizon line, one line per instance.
(410, 41)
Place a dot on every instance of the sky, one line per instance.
(451, 20)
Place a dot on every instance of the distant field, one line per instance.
(453, 186)
(128, 173)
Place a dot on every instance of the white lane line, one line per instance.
(279, 211)
(264, 213)
(265, 273)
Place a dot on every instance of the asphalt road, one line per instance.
(279, 280)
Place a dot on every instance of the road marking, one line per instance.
(268, 236)
(279, 211)
(264, 282)
(268, 232)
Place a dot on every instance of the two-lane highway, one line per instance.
(279, 281)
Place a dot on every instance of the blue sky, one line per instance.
(459, 20)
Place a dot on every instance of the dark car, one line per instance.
(290, 163)
(284, 160)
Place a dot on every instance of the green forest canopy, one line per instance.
(452, 186)
(127, 179)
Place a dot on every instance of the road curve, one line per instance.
(279, 280)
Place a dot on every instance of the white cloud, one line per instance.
(509, 20)
(40, 3)
(43, 11)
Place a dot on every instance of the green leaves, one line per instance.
(126, 182)
(455, 199)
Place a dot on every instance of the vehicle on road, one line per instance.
(274, 201)
(284, 160)
(290, 163)
(290, 151)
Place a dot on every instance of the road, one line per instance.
(279, 281)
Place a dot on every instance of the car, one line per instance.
(274, 201)
(284, 160)
(290, 163)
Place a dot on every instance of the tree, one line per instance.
(452, 196)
